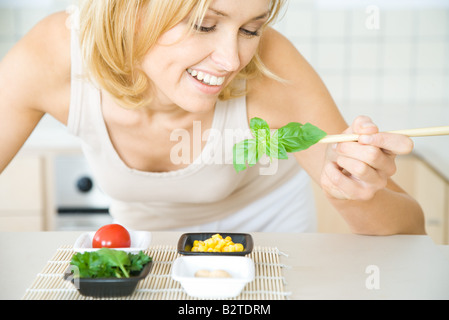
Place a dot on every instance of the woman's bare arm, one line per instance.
(34, 80)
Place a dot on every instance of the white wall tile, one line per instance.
(331, 23)
(364, 56)
(299, 23)
(359, 19)
(392, 116)
(428, 115)
(7, 22)
(363, 88)
(432, 55)
(433, 22)
(399, 23)
(396, 89)
(430, 89)
(28, 18)
(331, 56)
(397, 56)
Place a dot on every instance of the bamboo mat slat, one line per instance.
(268, 284)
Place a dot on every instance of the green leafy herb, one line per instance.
(109, 263)
(291, 138)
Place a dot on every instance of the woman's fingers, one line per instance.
(365, 157)
(357, 170)
(389, 142)
(340, 184)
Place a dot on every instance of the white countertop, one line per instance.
(319, 266)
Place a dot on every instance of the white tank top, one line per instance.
(206, 194)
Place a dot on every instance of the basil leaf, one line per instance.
(245, 154)
(297, 137)
(276, 149)
(259, 127)
(291, 138)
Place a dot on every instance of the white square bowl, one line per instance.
(140, 241)
(241, 269)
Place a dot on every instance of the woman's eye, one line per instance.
(204, 29)
(249, 33)
(245, 32)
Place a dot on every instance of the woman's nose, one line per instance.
(226, 54)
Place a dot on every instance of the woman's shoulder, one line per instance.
(42, 65)
(49, 40)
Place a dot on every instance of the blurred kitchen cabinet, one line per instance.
(421, 181)
(429, 188)
(22, 195)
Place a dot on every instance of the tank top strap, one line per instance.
(74, 120)
(85, 97)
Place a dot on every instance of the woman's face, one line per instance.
(191, 71)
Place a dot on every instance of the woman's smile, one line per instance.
(206, 78)
(206, 82)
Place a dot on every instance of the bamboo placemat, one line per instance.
(158, 285)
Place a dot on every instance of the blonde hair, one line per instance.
(114, 45)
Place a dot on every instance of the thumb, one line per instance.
(393, 143)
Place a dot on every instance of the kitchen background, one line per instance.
(388, 59)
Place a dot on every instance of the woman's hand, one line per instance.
(357, 170)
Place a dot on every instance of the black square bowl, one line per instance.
(185, 243)
(107, 287)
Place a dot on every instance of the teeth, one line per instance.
(206, 78)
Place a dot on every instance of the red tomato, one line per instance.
(111, 236)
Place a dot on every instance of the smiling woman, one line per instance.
(128, 74)
(117, 35)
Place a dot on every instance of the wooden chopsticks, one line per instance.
(420, 132)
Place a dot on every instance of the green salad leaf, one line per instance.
(291, 138)
(109, 263)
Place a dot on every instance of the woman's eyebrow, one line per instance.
(223, 14)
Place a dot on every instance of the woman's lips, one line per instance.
(205, 82)
(206, 78)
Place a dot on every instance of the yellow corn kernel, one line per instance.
(195, 249)
(195, 243)
(238, 247)
(217, 236)
(220, 244)
(202, 248)
(228, 238)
